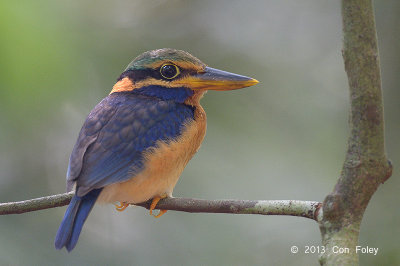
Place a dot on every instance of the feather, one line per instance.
(132, 124)
(74, 218)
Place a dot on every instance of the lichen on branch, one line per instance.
(307, 209)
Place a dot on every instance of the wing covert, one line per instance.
(136, 124)
(95, 121)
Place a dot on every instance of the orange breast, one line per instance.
(163, 166)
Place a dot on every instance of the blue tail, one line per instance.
(74, 218)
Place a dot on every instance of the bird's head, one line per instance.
(176, 75)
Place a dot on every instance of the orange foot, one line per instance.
(154, 204)
(122, 206)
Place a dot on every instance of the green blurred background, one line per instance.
(282, 139)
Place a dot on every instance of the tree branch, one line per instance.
(307, 209)
(365, 166)
(36, 204)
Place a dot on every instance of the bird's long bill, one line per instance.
(214, 79)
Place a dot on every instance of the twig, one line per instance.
(37, 204)
(307, 209)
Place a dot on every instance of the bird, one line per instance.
(135, 143)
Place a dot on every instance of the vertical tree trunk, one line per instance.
(366, 165)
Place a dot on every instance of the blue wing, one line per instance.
(112, 141)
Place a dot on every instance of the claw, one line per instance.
(161, 213)
(154, 204)
(122, 206)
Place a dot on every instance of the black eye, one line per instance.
(169, 71)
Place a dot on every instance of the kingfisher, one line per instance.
(136, 142)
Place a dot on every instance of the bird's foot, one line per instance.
(154, 204)
(121, 206)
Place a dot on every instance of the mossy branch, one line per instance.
(307, 209)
